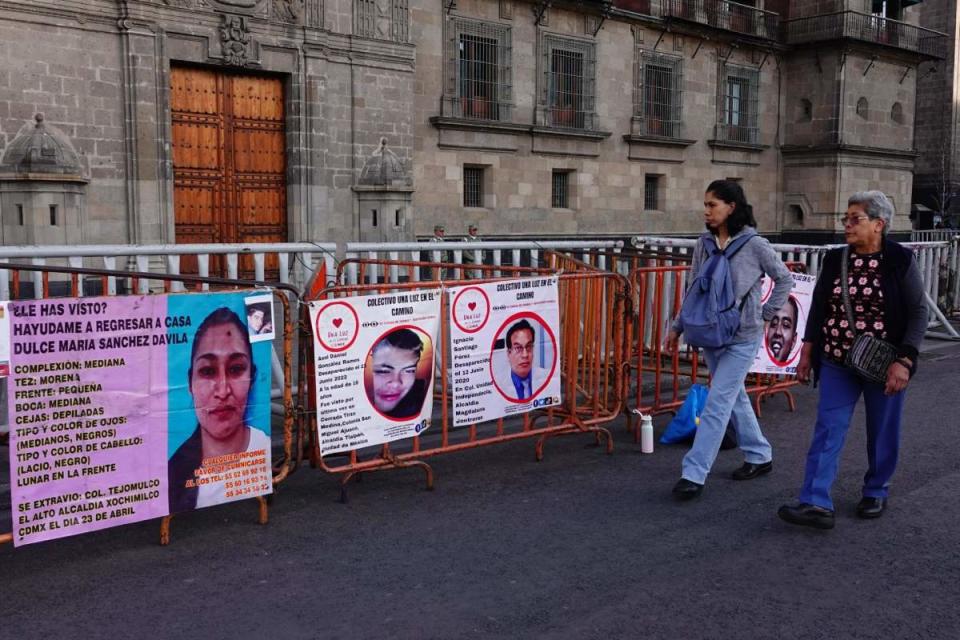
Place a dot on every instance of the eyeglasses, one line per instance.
(517, 349)
(852, 221)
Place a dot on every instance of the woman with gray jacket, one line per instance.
(729, 217)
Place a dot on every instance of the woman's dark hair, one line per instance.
(216, 318)
(732, 193)
(402, 339)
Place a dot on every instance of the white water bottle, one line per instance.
(646, 434)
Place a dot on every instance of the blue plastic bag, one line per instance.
(684, 424)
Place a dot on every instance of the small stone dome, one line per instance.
(40, 148)
(384, 169)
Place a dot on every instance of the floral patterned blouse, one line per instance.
(866, 298)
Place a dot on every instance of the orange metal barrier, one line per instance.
(375, 270)
(283, 293)
(657, 381)
(592, 314)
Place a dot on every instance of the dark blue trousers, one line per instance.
(840, 391)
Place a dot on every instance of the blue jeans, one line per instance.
(727, 399)
(840, 391)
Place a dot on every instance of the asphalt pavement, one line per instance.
(580, 545)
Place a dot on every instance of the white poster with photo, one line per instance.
(504, 348)
(783, 336)
(374, 367)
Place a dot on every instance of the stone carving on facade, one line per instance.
(384, 169)
(286, 10)
(235, 39)
(382, 19)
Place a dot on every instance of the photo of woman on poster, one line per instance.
(220, 375)
(400, 364)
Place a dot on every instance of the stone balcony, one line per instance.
(717, 14)
(863, 27)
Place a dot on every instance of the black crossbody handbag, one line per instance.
(868, 357)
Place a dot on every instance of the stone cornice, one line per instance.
(738, 146)
(835, 148)
(513, 128)
(661, 141)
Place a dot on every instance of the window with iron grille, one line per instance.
(400, 25)
(738, 104)
(366, 15)
(651, 192)
(560, 197)
(658, 96)
(479, 73)
(365, 18)
(568, 67)
(473, 186)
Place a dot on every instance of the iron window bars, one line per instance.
(738, 104)
(568, 88)
(473, 186)
(478, 71)
(658, 95)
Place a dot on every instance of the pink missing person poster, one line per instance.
(111, 401)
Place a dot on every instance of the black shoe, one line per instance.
(729, 439)
(686, 489)
(749, 470)
(870, 508)
(807, 515)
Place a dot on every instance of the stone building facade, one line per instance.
(254, 120)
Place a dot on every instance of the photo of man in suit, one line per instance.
(521, 380)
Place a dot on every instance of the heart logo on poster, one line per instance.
(473, 306)
(337, 322)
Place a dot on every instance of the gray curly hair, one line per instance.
(876, 205)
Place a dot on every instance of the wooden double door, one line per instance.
(229, 161)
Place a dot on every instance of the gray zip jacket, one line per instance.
(747, 267)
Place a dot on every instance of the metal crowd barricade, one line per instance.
(657, 381)
(502, 255)
(939, 263)
(41, 275)
(589, 356)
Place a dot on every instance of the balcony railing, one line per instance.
(867, 28)
(720, 14)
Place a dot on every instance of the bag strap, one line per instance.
(845, 259)
(743, 242)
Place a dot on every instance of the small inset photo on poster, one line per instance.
(4, 341)
(398, 373)
(782, 339)
(260, 323)
(523, 357)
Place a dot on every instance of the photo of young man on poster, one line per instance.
(400, 368)
(781, 334)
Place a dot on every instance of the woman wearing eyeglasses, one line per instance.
(885, 293)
